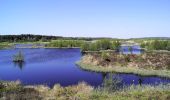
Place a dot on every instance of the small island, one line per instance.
(18, 57)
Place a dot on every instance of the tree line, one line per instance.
(44, 38)
(65, 43)
(26, 38)
(96, 45)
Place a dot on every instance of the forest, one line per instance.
(26, 38)
(43, 38)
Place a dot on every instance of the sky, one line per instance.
(86, 18)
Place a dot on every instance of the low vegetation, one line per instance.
(144, 64)
(82, 91)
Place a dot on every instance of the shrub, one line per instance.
(105, 55)
(127, 58)
(85, 46)
(18, 57)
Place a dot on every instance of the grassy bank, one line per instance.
(120, 69)
(4, 45)
(82, 91)
(145, 92)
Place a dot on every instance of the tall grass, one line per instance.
(83, 91)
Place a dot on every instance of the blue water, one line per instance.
(51, 66)
(135, 50)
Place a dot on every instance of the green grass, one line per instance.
(119, 69)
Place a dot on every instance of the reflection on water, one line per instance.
(104, 75)
(112, 82)
(140, 81)
(20, 65)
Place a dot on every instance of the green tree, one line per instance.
(115, 45)
(105, 44)
(85, 47)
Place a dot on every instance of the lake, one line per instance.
(51, 66)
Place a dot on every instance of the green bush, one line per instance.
(85, 46)
(104, 55)
(127, 58)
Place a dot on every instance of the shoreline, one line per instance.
(82, 91)
(126, 70)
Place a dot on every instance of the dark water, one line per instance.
(51, 66)
(135, 50)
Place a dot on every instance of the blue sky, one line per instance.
(86, 18)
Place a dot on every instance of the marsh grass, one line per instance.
(120, 69)
(83, 91)
(145, 92)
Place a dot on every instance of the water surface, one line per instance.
(51, 66)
